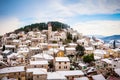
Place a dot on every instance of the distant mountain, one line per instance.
(43, 26)
(113, 37)
(97, 36)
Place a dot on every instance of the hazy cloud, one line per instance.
(98, 27)
(8, 25)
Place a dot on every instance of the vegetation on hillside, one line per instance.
(43, 26)
(69, 38)
(88, 58)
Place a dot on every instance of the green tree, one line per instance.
(88, 58)
(3, 48)
(114, 44)
(74, 39)
(69, 36)
(51, 65)
(80, 50)
(54, 41)
(61, 39)
(66, 41)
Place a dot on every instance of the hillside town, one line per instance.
(57, 55)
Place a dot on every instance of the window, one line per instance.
(59, 67)
(19, 73)
(105, 65)
(72, 77)
(19, 78)
(114, 65)
(59, 62)
(109, 64)
(37, 76)
(66, 67)
(65, 62)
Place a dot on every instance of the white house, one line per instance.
(116, 63)
(82, 78)
(100, 53)
(117, 71)
(53, 45)
(42, 45)
(16, 42)
(70, 50)
(35, 41)
(82, 42)
(42, 56)
(70, 75)
(36, 74)
(1, 58)
(108, 63)
(39, 64)
(33, 51)
(55, 76)
(23, 51)
(63, 35)
(72, 44)
(17, 72)
(98, 77)
(10, 47)
(89, 50)
(56, 36)
(83, 66)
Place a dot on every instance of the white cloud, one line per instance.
(54, 9)
(98, 27)
(50, 19)
(58, 9)
(64, 11)
(8, 25)
(95, 7)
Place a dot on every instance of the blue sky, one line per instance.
(87, 16)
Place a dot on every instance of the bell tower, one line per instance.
(49, 31)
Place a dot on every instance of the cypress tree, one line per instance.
(114, 44)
